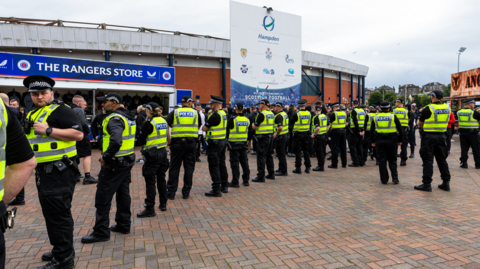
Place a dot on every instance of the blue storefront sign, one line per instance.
(22, 65)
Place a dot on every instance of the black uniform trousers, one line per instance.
(449, 134)
(386, 147)
(434, 145)
(238, 155)
(264, 155)
(199, 145)
(302, 144)
(356, 148)
(181, 152)
(338, 143)
(156, 165)
(468, 140)
(280, 143)
(2, 249)
(113, 181)
(216, 163)
(319, 146)
(366, 144)
(404, 146)
(411, 139)
(291, 141)
(55, 193)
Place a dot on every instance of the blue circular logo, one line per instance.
(23, 65)
(268, 23)
(166, 75)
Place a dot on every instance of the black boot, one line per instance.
(233, 185)
(353, 165)
(47, 256)
(424, 187)
(67, 263)
(117, 229)
(395, 181)
(333, 166)
(307, 170)
(318, 168)
(224, 189)
(464, 165)
(412, 155)
(444, 186)
(272, 177)
(258, 180)
(163, 207)
(91, 238)
(90, 180)
(147, 213)
(280, 174)
(297, 171)
(246, 184)
(403, 163)
(15, 201)
(213, 193)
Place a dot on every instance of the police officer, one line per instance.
(281, 137)
(385, 126)
(319, 130)
(54, 130)
(301, 122)
(411, 130)
(338, 136)
(468, 120)
(367, 141)
(237, 138)
(184, 123)
(433, 123)
(115, 176)
(356, 124)
(263, 126)
(153, 138)
(216, 132)
(403, 115)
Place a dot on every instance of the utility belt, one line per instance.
(213, 142)
(261, 137)
(469, 130)
(7, 219)
(184, 140)
(320, 136)
(151, 155)
(120, 162)
(59, 165)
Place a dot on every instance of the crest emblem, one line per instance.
(243, 52)
(456, 80)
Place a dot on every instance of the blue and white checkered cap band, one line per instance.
(113, 98)
(39, 84)
(149, 107)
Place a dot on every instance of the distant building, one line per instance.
(432, 86)
(386, 87)
(410, 89)
(368, 91)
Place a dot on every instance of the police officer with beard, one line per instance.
(319, 131)
(52, 133)
(468, 120)
(216, 133)
(387, 133)
(301, 133)
(118, 158)
(237, 128)
(281, 137)
(153, 138)
(263, 126)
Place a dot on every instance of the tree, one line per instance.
(421, 100)
(378, 96)
(446, 91)
(375, 98)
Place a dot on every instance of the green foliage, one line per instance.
(378, 96)
(421, 100)
(446, 91)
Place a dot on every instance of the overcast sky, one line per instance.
(402, 42)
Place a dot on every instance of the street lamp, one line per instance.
(462, 49)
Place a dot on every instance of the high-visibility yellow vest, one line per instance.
(370, 120)
(402, 115)
(385, 123)
(285, 122)
(239, 133)
(128, 135)
(322, 118)
(48, 148)
(303, 121)
(266, 126)
(185, 123)
(340, 119)
(158, 137)
(360, 118)
(438, 121)
(3, 143)
(219, 131)
(466, 120)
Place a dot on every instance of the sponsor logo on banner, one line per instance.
(23, 65)
(268, 23)
(244, 68)
(272, 72)
(266, 71)
(268, 54)
(152, 75)
(289, 60)
(243, 52)
(290, 72)
(4, 64)
(166, 76)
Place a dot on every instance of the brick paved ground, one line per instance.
(335, 219)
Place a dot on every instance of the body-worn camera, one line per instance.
(27, 126)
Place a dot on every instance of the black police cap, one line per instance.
(385, 104)
(152, 106)
(111, 96)
(38, 83)
(216, 99)
(264, 102)
(468, 101)
(437, 94)
(239, 106)
(186, 99)
(302, 102)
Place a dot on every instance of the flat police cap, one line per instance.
(216, 99)
(385, 104)
(280, 104)
(264, 101)
(152, 106)
(399, 101)
(468, 101)
(111, 96)
(38, 83)
(186, 99)
(335, 104)
(239, 106)
(302, 102)
(437, 94)
(371, 106)
(318, 108)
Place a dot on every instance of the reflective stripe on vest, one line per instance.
(402, 115)
(285, 122)
(369, 123)
(219, 131)
(48, 148)
(185, 123)
(3, 143)
(340, 119)
(360, 118)
(266, 126)
(239, 132)
(322, 119)
(385, 123)
(438, 121)
(304, 119)
(128, 135)
(158, 137)
(466, 120)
